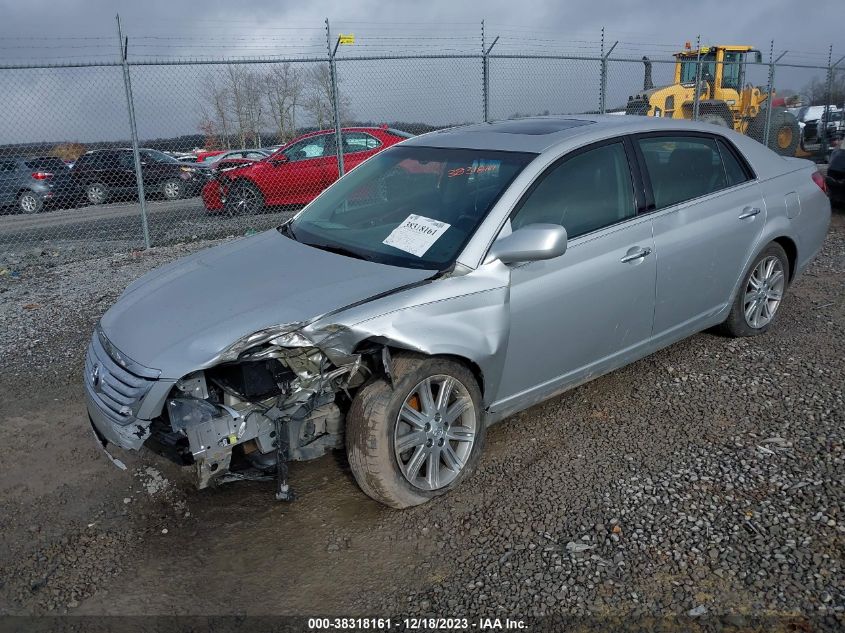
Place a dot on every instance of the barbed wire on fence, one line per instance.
(229, 133)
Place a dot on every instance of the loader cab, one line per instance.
(722, 67)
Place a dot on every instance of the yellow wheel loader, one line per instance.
(717, 73)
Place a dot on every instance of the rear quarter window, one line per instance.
(735, 172)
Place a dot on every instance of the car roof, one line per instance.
(562, 133)
(344, 129)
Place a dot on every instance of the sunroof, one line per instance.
(537, 126)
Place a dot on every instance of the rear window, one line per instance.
(47, 163)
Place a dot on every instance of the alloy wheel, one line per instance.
(172, 190)
(28, 203)
(764, 292)
(245, 200)
(435, 432)
(96, 194)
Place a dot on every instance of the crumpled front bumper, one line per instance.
(121, 404)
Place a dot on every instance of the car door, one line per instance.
(154, 168)
(591, 308)
(305, 172)
(709, 214)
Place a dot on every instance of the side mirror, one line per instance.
(529, 244)
(281, 159)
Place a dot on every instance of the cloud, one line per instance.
(88, 103)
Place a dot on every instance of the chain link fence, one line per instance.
(110, 156)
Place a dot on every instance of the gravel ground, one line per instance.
(706, 482)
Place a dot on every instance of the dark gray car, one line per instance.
(30, 184)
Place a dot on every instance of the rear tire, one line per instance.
(244, 199)
(442, 449)
(714, 119)
(97, 193)
(760, 295)
(784, 131)
(29, 203)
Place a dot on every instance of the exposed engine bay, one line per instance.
(246, 418)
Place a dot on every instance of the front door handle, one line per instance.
(749, 212)
(635, 254)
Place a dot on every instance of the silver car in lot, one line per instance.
(443, 285)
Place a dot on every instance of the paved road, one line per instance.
(169, 222)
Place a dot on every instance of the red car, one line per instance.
(203, 154)
(297, 173)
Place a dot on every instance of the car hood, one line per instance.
(179, 317)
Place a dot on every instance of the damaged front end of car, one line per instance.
(270, 398)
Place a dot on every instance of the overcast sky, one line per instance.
(87, 104)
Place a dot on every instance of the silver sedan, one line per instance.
(443, 285)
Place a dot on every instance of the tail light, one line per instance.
(819, 180)
(42, 175)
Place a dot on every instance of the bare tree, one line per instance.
(254, 110)
(284, 85)
(215, 109)
(318, 101)
(816, 90)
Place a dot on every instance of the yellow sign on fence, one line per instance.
(347, 39)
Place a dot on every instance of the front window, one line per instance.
(414, 207)
(311, 147)
(689, 64)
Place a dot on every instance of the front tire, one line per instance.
(172, 189)
(29, 203)
(714, 119)
(760, 295)
(784, 131)
(244, 199)
(419, 438)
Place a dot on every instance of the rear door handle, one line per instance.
(635, 254)
(749, 212)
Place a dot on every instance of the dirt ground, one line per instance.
(658, 470)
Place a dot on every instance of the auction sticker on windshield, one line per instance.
(416, 234)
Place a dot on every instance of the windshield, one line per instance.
(409, 206)
(689, 65)
(158, 157)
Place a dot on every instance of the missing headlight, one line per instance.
(253, 380)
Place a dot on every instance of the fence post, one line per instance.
(831, 70)
(603, 95)
(485, 104)
(696, 94)
(828, 95)
(485, 72)
(338, 139)
(771, 89)
(133, 130)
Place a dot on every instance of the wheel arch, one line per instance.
(372, 347)
(791, 249)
